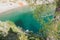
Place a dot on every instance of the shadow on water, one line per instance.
(27, 22)
(22, 17)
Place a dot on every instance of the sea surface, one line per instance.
(23, 17)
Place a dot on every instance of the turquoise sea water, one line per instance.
(23, 17)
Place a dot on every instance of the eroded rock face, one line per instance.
(11, 36)
(9, 31)
(4, 28)
(6, 32)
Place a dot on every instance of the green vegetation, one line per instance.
(58, 3)
(50, 28)
(9, 31)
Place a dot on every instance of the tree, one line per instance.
(58, 3)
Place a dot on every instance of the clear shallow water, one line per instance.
(24, 18)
